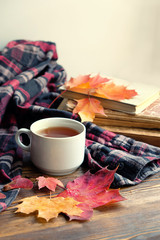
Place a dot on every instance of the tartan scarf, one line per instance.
(29, 80)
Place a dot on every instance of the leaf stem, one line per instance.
(56, 98)
(62, 187)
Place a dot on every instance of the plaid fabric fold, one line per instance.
(29, 81)
(133, 159)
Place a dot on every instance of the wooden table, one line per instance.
(136, 218)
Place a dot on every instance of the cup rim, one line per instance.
(59, 119)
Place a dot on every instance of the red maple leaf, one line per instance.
(92, 190)
(49, 182)
(19, 183)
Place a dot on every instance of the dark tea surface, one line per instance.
(58, 132)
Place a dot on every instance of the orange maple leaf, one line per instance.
(87, 107)
(97, 81)
(115, 92)
(86, 84)
(49, 208)
(101, 87)
(81, 81)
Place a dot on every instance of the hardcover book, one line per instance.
(143, 127)
(149, 118)
(146, 94)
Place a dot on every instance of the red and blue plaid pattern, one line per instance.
(135, 160)
(29, 80)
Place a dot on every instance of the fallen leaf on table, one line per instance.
(78, 200)
(2, 196)
(49, 208)
(87, 107)
(49, 182)
(93, 189)
(19, 183)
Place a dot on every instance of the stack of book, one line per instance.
(138, 118)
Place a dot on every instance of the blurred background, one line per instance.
(118, 38)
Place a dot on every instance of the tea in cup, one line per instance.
(57, 145)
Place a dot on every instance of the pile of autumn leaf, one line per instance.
(96, 86)
(77, 200)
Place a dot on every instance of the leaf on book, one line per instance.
(19, 183)
(115, 92)
(100, 87)
(86, 82)
(49, 208)
(87, 107)
(49, 182)
(80, 81)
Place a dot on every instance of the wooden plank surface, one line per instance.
(136, 218)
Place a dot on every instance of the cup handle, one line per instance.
(18, 139)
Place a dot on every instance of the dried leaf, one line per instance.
(101, 87)
(81, 81)
(49, 182)
(19, 183)
(2, 196)
(87, 107)
(86, 83)
(78, 200)
(97, 81)
(115, 92)
(93, 189)
(85, 215)
(96, 86)
(49, 208)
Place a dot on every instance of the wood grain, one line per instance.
(136, 218)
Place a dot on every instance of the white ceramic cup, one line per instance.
(53, 155)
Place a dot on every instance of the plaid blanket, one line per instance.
(29, 80)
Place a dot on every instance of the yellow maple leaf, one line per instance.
(49, 208)
(87, 107)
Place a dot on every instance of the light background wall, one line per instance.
(119, 38)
